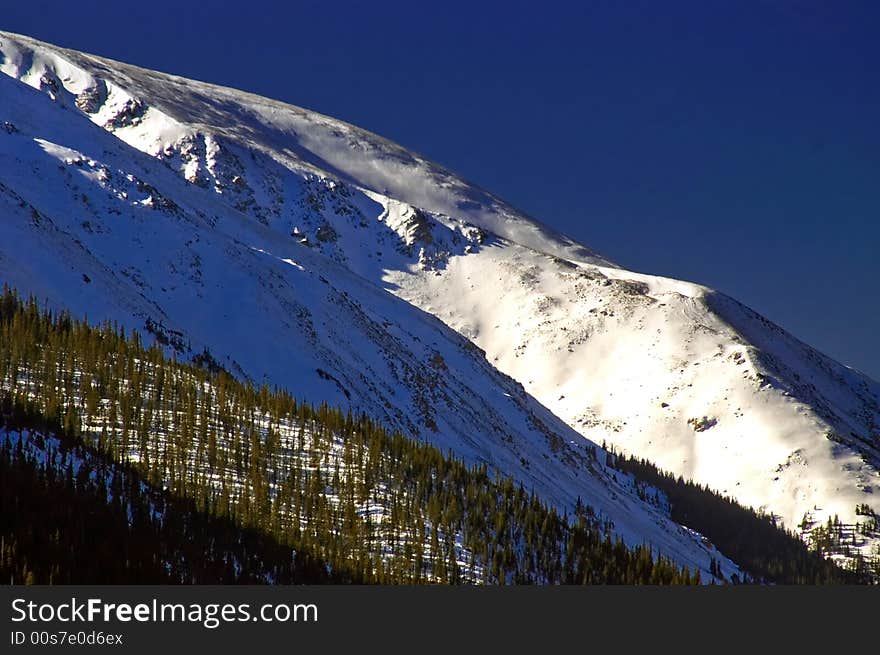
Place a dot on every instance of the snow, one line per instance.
(311, 254)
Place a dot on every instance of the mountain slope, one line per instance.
(94, 225)
(287, 491)
(273, 235)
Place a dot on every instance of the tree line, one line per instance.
(755, 540)
(177, 473)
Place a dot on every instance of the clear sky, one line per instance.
(736, 144)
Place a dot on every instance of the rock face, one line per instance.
(306, 252)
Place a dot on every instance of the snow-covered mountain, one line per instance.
(307, 253)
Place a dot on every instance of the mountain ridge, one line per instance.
(299, 203)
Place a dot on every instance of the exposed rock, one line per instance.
(702, 424)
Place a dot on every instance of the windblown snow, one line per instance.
(307, 253)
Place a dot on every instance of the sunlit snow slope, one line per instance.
(279, 239)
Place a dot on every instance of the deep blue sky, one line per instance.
(736, 144)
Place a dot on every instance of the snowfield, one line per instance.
(310, 254)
